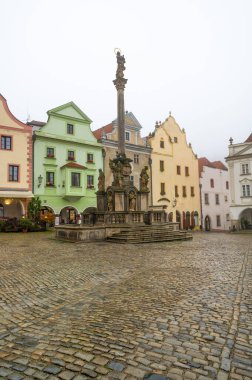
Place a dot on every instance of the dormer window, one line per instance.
(161, 143)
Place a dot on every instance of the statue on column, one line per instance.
(144, 179)
(101, 181)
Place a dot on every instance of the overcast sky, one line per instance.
(190, 57)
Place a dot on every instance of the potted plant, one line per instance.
(25, 224)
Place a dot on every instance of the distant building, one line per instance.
(67, 158)
(175, 179)
(136, 147)
(239, 163)
(15, 164)
(215, 195)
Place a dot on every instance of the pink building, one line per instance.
(215, 196)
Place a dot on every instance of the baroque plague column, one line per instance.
(122, 196)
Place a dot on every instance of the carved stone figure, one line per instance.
(132, 201)
(101, 181)
(116, 168)
(144, 179)
(110, 201)
(120, 65)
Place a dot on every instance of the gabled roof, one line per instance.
(36, 123)
(11, 116)
(249, 139)
(73, 165)
(203, 161)
(54, 111)
(130, 121)
(103, 130)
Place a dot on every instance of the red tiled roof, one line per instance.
(103, 130)
(219, 165)
(203, 161)
(249, 139)
(73, 165)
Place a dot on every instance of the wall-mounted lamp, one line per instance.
(8, 201)
(40, 179)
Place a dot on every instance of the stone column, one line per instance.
(120, 83)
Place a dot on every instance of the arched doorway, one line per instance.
(47, 215)
(207, 223)
(186, 220)
(178, 218)
(68, 215)
(194, 219)
(170, 217)
(245, 219)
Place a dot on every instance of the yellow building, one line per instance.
(175, 174)
(15, 164)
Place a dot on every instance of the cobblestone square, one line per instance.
(180, 310)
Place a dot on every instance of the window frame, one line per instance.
(78, 182)
(71, 157)
(218, 220)
(161, 165)
(90, 186)
(4, 137)
(50, 183)
(162, 144)
(88, 158)
(50, 155)
(70, 127)
(136, 158)
(206, 199)
(212, 183)
(11, 174)
(178, 170)
(217, 199)
(187, 171)
(162, 188)
(184, 194)
(127, 133)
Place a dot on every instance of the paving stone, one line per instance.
(116, 366)
(53, 369)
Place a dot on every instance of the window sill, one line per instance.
(79, 187)
(245, 173)
(90, 162)
(90, 187)
(246, 196)
(162, 193)
(71, 159)
(50, 186)
(52, 157)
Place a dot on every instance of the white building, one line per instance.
(215, 196)
(240, 168)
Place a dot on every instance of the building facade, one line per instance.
(15, 164)
(239, 163)
(175, 180)
(215, 195)
(67, 158)
(136, 148)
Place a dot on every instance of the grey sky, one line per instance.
(191, 57)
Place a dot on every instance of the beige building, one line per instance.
(175, 176)
(135, 148)
(16, 164)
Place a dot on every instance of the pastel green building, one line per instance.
(67, 159)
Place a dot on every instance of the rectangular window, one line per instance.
(227, 185)
(136, 159)
(192, 191)
(176, 192)
(90, 181)
(70, 155)
(175, 139)
(161, 165)
(127, 136)
(162, 188)
(178, 169)
(227, 217)
(75, 179)
(218, 221)
(184, 191)
(245, 169)
(211, 182)
(13, 173)
(217, 199)
(161, 143)
(6, 142)
(186, 171)
(70, 129)
(132, 179)
(49, 178)
(50, 152)
(206, 199)
(246, 190)
(90, 157)
(226, 198)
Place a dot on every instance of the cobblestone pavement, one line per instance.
(180, 310)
